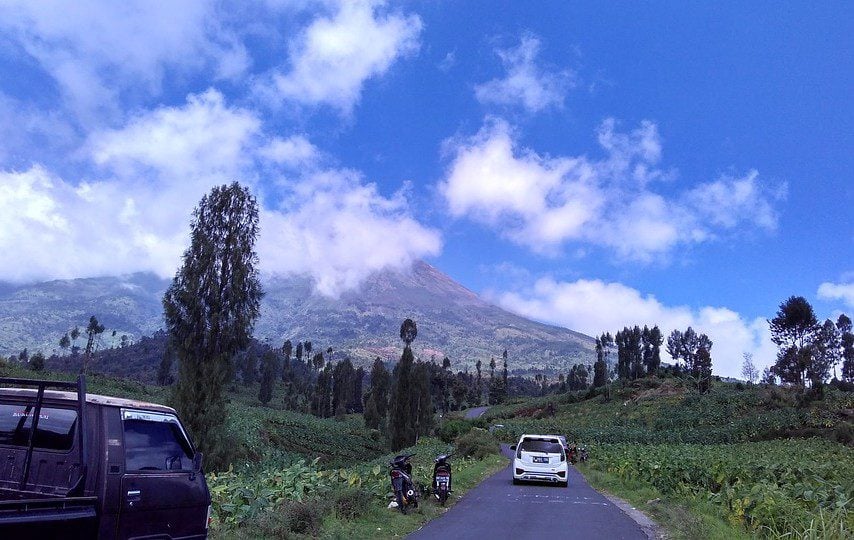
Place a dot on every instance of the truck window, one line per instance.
(54, 432)
(156, 446)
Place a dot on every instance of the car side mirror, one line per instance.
(513, 447)
(197, 462)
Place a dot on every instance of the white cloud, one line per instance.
(729, 201)
(97, 49)
(339, 230)
(837, 291)
(335, 55)
(594, 307)
(293, 151)
(53, 229)
(204, 139)
(526, 83)
(542, 202)
(333, 226)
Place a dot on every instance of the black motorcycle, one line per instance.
(401, 482)
(442, 478)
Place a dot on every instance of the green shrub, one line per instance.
(452, 429)
(293, 517)
(477, 444)
(350, 503)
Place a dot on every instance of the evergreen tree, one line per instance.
(65, 342)
(355, 404)
(380, 385)
(702, 369)
(478, 365)
(37, 361)
(268, 376)
(656, 339)
(343, 377)
(287, 350)
(164, 370)
(826, 353)
(600, 368)
(421, 407)
(408, 332)
(401, 430)
(306, 348)
(459, 391)
(793, 330)
(210, 309)
(298, 352)
(504, 372)
(846, 342)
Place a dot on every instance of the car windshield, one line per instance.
(540, 445)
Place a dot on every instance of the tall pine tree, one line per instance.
(210, 309)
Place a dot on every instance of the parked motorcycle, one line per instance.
(401, 482)
(442, 478)
(582, 453)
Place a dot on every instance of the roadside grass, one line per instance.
(364, 512)
(680, 517)
(381, 522)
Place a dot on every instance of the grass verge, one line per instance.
(681, 518)
(367, 517)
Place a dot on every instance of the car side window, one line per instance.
(156, 445)
(55, 430)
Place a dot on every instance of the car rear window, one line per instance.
(156, 445)
(540, 445)
(55, 430)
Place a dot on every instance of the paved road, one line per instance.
(475, 412)
(497, 509)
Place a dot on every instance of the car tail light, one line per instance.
(520, 471)
(561, 473)
(563, 457)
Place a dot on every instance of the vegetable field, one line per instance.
(772, 488)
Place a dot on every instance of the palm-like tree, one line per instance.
(408, 331)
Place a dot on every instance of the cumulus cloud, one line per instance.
(99, 49)
(204, 139)
(339, 229)
(155, 170)
(293, 151)
(837, 291)
(542, 202)
(526, 83)
(594, 307)
(335, 55)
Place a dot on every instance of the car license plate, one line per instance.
(541, 459)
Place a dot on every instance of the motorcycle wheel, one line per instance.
(400, 505)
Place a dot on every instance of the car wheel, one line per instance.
(565, 484)
(516, 482)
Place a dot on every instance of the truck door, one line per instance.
(162, 492)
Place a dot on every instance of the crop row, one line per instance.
(776, 486)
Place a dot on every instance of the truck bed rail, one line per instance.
(41, 385)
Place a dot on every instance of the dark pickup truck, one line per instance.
(77, 465)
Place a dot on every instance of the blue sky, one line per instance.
(583, 164)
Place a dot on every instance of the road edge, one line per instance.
(650, 528)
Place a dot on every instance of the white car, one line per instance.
(540, 458)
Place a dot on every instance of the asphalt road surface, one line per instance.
(475, 412)
(497, 509)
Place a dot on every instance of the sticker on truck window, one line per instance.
(55, 429)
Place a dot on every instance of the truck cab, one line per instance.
(78, 465)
